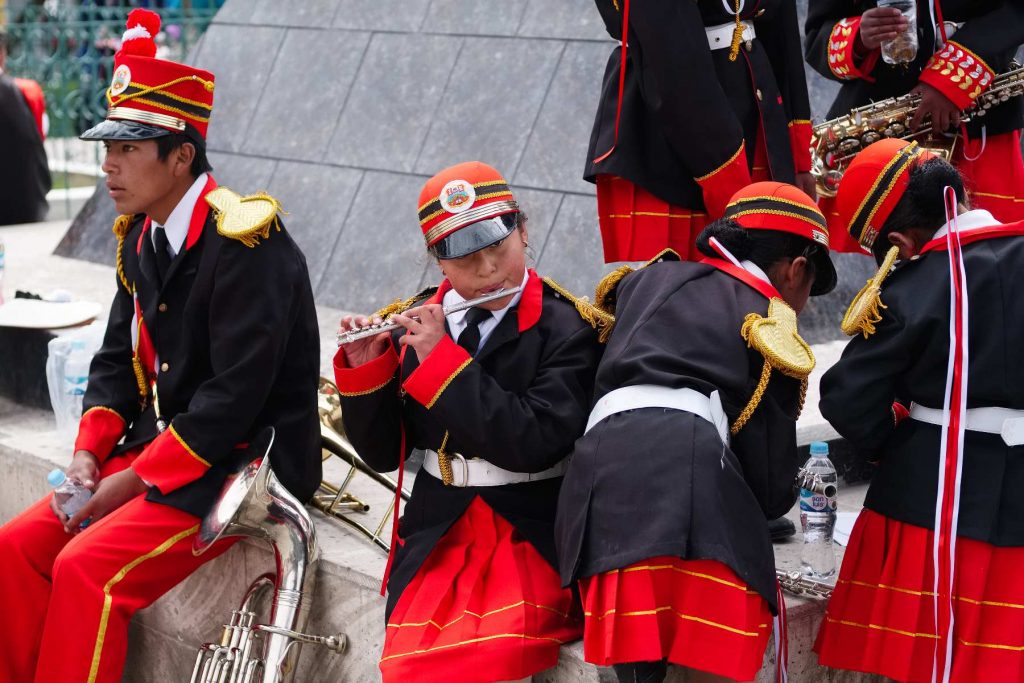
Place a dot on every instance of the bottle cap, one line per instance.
(56, 477)
(818, 449)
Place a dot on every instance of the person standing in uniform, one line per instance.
(24, 174)
(212, 337)
(691, 445)
(496, 394)
(700, 98)
(881, 618)
(962, 46)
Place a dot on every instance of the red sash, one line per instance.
(766, 289)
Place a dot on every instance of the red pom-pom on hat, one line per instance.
(143, 25)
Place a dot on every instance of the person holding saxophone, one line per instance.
(961, 46)
(496, 395)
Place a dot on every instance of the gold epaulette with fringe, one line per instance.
(865, 309)
(246, 219)
(777, 339)
(604, 293)
(601, 321)
(399, 306)
(121, 227)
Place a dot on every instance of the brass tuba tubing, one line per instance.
(386, 326)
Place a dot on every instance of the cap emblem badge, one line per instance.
(122, 78)
(457, 196)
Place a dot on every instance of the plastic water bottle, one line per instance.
(70, 494)
(903, 48)
(818, 490)
(76, 378)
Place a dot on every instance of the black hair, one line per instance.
(764, 247)
(169, 143)
(922, 205)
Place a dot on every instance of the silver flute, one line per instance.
(350, 336)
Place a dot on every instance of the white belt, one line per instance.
(720, 37)
(476, 472)
(1006, 422)
(654, 396)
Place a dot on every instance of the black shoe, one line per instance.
(641, 672)
(780, 529)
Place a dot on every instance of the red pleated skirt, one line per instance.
(485, 606)
(881, 616)
(637, 226)
(994, 181)
(694, 613)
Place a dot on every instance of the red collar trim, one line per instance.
(977, 235)
(766, 289)
(199, 214)
(195, 226)
(530, 303)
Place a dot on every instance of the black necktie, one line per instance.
(470, 337)
(162, 248)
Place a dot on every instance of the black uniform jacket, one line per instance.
(235, 332)
(687, 109)
(992, 30)
(906, 359)
(519, 403)
(655, 481)
(24, 174)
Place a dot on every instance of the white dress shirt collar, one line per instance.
(178, 222)
(968, 220)
(457, 320)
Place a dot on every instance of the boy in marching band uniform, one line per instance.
(496, 394)
(223, 326)
(691, 445)
(881, 618)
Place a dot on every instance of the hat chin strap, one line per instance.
(142, 116)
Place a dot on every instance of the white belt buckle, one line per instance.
(1013, 431)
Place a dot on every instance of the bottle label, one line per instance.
(816, 502)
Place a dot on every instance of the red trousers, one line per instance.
(67, 599)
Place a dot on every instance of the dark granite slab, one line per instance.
(304, 94)
(556, 151)
(573, 253)
(393, 100)
(472, 17)
(313, 13)
(381, 15)
(240, 57)
(244, 175)
(379, 255)
(487, 111)
(573, 19)
(316, 199)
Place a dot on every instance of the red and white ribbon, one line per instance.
(954, 407)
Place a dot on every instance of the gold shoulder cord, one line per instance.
(600, 320)
(246, 219)
(121, 227)
(776, 338)
(865, 309)
(399, 306)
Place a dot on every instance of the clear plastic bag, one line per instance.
(67, 373)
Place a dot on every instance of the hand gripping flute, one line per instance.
(385, 326)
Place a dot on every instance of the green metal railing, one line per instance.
(68, 48)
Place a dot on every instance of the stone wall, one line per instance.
(342, 108)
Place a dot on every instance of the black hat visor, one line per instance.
(475, 236)
(123, 130)
(825, 277)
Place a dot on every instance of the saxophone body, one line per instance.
(834, 143)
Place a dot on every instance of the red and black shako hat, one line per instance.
(785, 208)
(151, 98)
(465, 208)
(873, 184)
